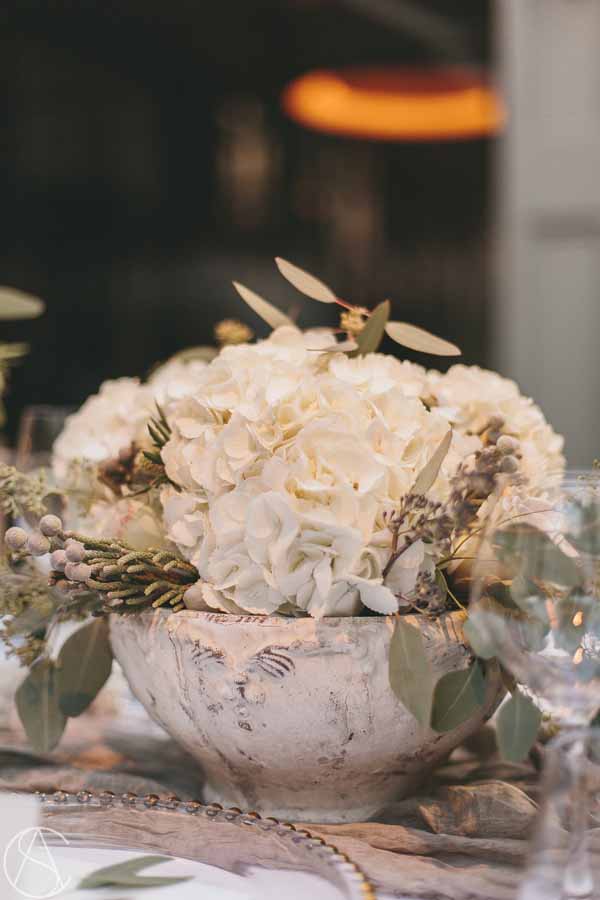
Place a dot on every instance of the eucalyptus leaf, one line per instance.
(411, 675)
(457, 696)
(530, 550)
(418, 339)
(269, 313)
(38, 707)
(372, 334)
(305, 282)
(15, 304)
(428, 474)
(517, 727)
(125, 874)
(83, 667)
(10, 352)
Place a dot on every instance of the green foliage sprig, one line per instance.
(364, 328)
(22, 495)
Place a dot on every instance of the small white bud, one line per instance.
(193, 597)
(16, 538)
(50, 525)
(509, 465)
(507, 444)
(78, 571)
(38, 544)
(58, 560)
(75, 551)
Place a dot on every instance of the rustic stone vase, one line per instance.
(293, 718)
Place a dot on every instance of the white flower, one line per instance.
(287, 460)
(376, 373)
(176, 379)
(128, 519)
(116, 417)
(108, 422)
(184, 519)
(290, 460)
(469, 396)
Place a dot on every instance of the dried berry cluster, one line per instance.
(125, 578)
(443, 525)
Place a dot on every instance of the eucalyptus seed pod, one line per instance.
(38, 544)
(495, 423)
(15, 538)
(75, 551)
(78, 571)
(58, 560)
(507, 444)
(509, 465)
(50, 526)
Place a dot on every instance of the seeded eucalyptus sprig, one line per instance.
(27, 606)
(364, 328)
(125, 579)
(21, 494)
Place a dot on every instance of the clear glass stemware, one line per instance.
(556, 867)
(535, 605)
(38, 429)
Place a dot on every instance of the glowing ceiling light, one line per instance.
(396, 103)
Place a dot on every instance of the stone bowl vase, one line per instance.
(293, 718)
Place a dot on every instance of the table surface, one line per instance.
(424, 848)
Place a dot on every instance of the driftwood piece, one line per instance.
(429, 879)
(46, 780)
(492, 810)
(421, 847)
(400, 839)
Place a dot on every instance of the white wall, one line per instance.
(546, 327)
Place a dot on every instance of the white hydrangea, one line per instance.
(127, 519)
(117, 416)
(175, 379)
(107, 423)
(110, 422)
(286, 460)
(290, 459)
(468, 396)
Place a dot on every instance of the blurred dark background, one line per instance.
(145, 162)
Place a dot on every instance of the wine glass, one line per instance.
(39, 427)
(535, 605)
(571, 760)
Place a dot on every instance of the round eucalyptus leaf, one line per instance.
(457, 696)
(16, 304)
(83, 667)
(38, 707)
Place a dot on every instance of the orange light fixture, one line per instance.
(396, 103)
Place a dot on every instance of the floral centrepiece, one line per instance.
(286, 463)
(302, 475)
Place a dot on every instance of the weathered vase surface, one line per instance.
(293, 718)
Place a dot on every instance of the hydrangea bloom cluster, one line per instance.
(107, 425)
(288, 461)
